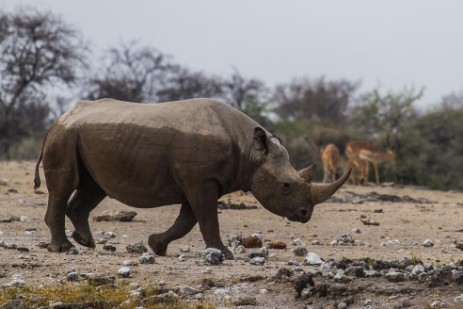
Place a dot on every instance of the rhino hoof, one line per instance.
(62, 247)
(158, 247)
(83, 241)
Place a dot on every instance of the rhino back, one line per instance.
(147, 154)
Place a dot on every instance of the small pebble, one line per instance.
(124, 272)
(300, 251)
(259, 261)
(213, 256)
(428, 243)
(185, 249)
(313, 259)
(146, 258)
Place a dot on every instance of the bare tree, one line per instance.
(238, 90)
(37, 51)
(186, 84)
(322, 100)
(131, 72)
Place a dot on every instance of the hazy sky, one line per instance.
(389, 44)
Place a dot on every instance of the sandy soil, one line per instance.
(411, 223)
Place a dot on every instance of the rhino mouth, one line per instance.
(296, 218)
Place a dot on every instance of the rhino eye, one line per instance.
(286, 185)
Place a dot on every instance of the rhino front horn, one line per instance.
(321, 193)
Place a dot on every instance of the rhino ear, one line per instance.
(308, 172)
(260, 140)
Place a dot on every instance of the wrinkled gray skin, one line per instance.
(148, 155)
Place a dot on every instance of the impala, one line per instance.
(330, 158)
(361, 153)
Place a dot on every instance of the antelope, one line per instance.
(361, 153)
(331, 158)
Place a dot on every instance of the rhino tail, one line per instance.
(37, 181)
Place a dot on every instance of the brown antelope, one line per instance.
(330, 158)
(361, 153)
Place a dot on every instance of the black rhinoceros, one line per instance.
(148, 155)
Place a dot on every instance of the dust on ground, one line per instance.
(433, 215)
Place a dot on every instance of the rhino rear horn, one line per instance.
(321, 193)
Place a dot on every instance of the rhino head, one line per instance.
(279, 187)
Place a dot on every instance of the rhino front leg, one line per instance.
(204, 204)
(86, 198)
(185, 221)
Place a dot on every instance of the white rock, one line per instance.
(124, 272)
(313, 259)
(428, 243)
(199, 296)
(263, 291)
(109, 235)
(458, 299)
(356, 230)
(146, 258)
(185, 249)
(391, 242)
(298, 242)
(129, 263)
(187, 290)
(258, 260)
(316, 242)
(24, 219)
(437, 304)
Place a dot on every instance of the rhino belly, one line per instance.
(130, 167)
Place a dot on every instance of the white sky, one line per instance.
(392, 44)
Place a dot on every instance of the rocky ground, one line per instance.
(368, 247)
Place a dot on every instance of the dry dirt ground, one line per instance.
(238, 282)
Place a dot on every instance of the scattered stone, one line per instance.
(437, 305)
(395, 276)
(213, 256)
(253, 241)
(343, 240)
(110, 248)
(300, 251)
(367, 221)
(302, 282)
(313, 259)
(428, 243)
(3, 182)
(458, 299)
(245, 300)
(123, 216)
(73, 250)
(258, 260)
(72, 276)
(315, 243)
(124, 272)
(235, 241)
(17, 281)
(391, 242)
(129, 263)
(137, 247)
(240, 249)
(43, 244)
(146, 258)
(187, 290)
(9, 219)
(185, 249)
(8, 245)
(356, 230)
(279, 245)
(293, 263)
(341, 276)
(298, 242)
(24, 219)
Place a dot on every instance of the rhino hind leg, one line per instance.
(184, 223)
(60, 186)
(87, 196)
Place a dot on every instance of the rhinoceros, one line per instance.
(187, 152)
